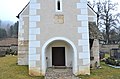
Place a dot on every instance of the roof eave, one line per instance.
(92, 8)
(22, 10)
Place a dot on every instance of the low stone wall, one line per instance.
(2, 53)
(14, 48)
(4, 48)
(106, 48)
(9, 49)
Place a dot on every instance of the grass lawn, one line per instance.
(107, 55)
(105, 72)
(10, 70)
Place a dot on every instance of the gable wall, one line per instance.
(72, 23)
(23, 37)
(45, 23)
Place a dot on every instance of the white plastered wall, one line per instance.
(84, 54)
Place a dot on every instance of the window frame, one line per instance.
(56, 5)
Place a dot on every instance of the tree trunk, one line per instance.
(107, 35)
(98, 20)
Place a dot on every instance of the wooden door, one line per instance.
(58, 56)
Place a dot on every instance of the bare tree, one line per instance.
(105, 16)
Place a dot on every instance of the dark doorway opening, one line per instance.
(58, 56)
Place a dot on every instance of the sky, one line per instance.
(9, 9)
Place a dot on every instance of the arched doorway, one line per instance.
(62, 40)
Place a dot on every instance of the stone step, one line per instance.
(59, 73)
